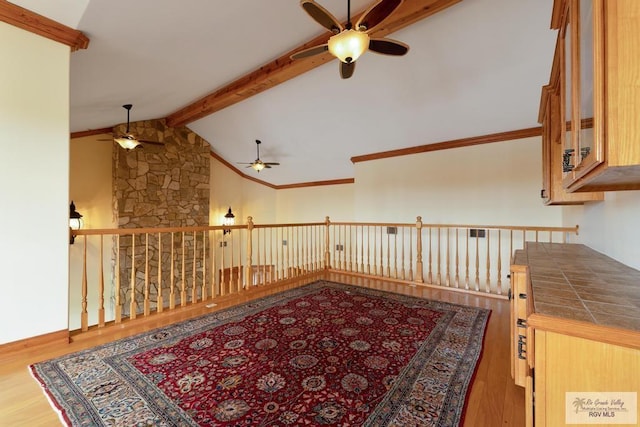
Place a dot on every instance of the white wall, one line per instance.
(610, 227)
(34, 184)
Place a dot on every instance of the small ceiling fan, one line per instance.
(349, 42)
(258, 164)
(128, 141)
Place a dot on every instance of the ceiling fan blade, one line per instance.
(346, 70)
(377, 13)
(144, 141)
(322, 16)
(388, 47)
(271, 164)
(315, 50)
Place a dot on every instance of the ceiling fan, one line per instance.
(349, 42)
(128, 141)
(258, 164)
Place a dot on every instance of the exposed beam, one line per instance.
(283, 68)
(41, 25)
(456, 143)
(91, 132)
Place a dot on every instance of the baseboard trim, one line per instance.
(57, 337)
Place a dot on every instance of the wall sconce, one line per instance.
(229, 220)
(75, 222)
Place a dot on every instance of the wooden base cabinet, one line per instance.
(578, 366)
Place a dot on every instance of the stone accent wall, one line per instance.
(159, 186)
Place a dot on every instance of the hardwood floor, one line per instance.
(493, 400)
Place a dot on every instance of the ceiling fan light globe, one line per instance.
(127, 142)
(258, 166)
(348, 45)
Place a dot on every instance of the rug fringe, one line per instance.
(52, 402)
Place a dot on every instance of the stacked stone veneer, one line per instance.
(160, 186)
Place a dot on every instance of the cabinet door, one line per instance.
(567, 98)
(587, 84)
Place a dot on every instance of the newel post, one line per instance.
(248, 269)
(327, 253)
(419, 277)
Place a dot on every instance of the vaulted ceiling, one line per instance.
(220, 67)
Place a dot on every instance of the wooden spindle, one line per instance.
(402, 263)
(147, 302)
(172, 293)
(101, 285)
(499, 262)
(183, 288)
(438, 266)
(448, 261)
(132, 305)
(249, 269)
(477, 264)
(84, 314)
(466, 278)
(160, 303)
(118, 313)
(203, 285)
(430, 259)
(488, 281)
(381, 273)
(194, 289)
(457, 259)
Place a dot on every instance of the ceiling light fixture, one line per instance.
(348, 45)
(127, 141)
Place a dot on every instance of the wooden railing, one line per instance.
(121, 274)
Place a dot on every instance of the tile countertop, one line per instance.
(575, 282)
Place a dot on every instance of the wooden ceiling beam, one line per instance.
(283, 68)
(41, 25)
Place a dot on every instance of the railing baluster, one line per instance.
(448, 279)
(101, 285)
(499, 262)
(488, 282)
(457, 259)
(118, 313)
(439, 271)
(466, 276)
(160, 304)
(430, 260)
(477, 264)
(194, 291)
(172, 292)
(183, 290)
(84, 314)
(146, 302)
(203, 285)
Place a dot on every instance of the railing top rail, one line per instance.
(151, 230)
(505, 227)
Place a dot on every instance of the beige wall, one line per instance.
(490, 184)
(34, 184)
(91, 189)
(313, 204)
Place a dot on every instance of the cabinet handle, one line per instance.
(521, 343)
(522, 323)
(522, 296)
(509, 294)
(542, 193)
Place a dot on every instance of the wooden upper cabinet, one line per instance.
(557, 137)
(599, 62)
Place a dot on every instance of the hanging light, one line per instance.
(258, 165)
(348, 45)
(229, 220)
(75, 222)
(128, 141)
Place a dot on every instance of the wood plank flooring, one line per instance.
(493, 400)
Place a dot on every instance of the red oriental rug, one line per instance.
(323, 354)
